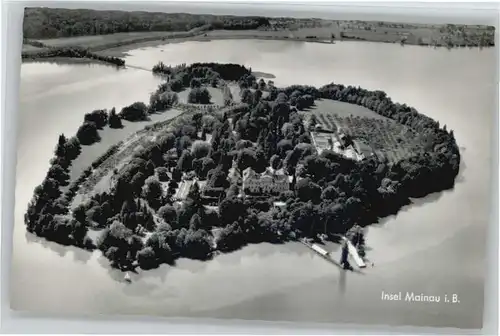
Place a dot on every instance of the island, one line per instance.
(220, 158)
(95, 35)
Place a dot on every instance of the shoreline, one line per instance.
(66, 60)
(120, 49)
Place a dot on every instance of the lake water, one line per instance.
(434, 247)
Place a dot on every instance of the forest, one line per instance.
(329, 193)
(72, 52)
(40, 23)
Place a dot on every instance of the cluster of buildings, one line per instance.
(268, 182)
(341, 143)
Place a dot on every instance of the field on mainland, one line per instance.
(97, 42)
(30, 48)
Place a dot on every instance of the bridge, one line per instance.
(138, 67)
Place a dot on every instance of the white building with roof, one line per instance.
(268, 182)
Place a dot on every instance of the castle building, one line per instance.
(266, 183)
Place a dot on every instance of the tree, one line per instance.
(257, 96)
(194, 193)
(59, 174)
(199, 96)
(284, 146)
(166, 142)
(79, 231)
(147, 258)
(87, 134)
(159, 244)
(137, 182)
(231, 209)
(134, 112)
(288, 130)
(73, 148)
(160, 101)
(275, 162)
(61, 146)
(317, 167)
(307, 190)
(176, 175)
(185, 161)
(162, 173)
(206, 165)
(200, 149)
(213, 82)
(150, 168)
(183, 143)
(98, 117)
(189, 131)
(246, 158)
(246, 96)
(195, 83)
(153, 192)
(197, 244)
(231, 238)
(330, 193)
(313, 121)
(128, 214)
(262, 84)
(49, 189)
(168, 214)
(114, 120)
(195, 222)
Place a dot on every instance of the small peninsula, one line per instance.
(241, 161)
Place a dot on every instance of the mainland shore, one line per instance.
(117, 45)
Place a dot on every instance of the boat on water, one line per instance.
(127, 278)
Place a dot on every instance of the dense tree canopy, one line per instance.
(87, 134)
(135, 112)
(58, 22)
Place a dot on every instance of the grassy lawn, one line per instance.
(328, 106)
(216, 94)
(183, 96)
(30, 48)
(235, 91)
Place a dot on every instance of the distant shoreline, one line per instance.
(117, 45)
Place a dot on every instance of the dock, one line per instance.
(321, 252)
(353, 253)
